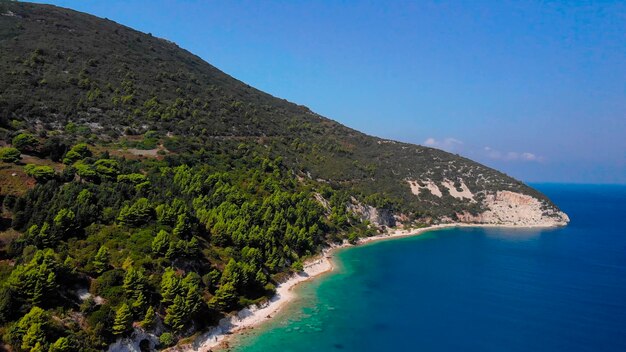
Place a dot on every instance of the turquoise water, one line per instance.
(472, 289)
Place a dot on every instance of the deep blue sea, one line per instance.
(472, 289)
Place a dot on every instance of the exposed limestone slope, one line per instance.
(510, 208)
(499, 207)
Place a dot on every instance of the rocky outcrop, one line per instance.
(504, 207)
(427, 185)
(377, 217)
(511, 208)
(463, 193)
(323, 202)
(139, 340)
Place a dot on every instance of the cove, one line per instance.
(471, 289)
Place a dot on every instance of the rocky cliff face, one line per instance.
(510, 208)
(378, 217)
(497, 207)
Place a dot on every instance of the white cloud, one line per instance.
(492, 153)
(449, 144)
(454, 145)
(529, 157)
(511, 156)
(430, 141)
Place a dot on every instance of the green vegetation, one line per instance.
(10, 155)
(195, 241)
(78, 152)
(166, 339)
(123, 320)
(24, 142)
(40, 172)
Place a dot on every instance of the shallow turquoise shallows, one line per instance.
(471, 289)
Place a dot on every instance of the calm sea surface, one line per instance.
(472, 289)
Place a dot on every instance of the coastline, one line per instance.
(250, 317)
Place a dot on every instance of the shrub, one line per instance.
(108, 284)
(107, 168)
(39, 172)
(10, 155)
(166, 339)
(135, 178)
(85, 171)
(78, 152)
(24, 141)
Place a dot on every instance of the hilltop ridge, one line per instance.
(116, 81)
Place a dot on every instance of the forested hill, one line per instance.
(62, 67)
(142, 188)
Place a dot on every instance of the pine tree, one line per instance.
(212, 279)
(123, 320)
(64, 221)
(41, 237)
(231, 273)
(78, 152)
(51, 282)
(225, 296)
(17, 332)
(38, 293)
(167, 339)
(141, 212)
(183, 227)
(24, 142)
(260, 277)
(176, 313)
(173, 250)
(160, 242)
(219, 234)
(149, 320)
(134, 282)
(10, 155)
(140, 303)
(170, 286)
(101, 260)
(193, 248)
(37, 278)
(193, 299)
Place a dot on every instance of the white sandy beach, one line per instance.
(253, 316)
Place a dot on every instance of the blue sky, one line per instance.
(535, 89)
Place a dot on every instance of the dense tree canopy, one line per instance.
(165, 241)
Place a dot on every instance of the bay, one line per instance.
(471, 289)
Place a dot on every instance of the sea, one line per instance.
(471, 289)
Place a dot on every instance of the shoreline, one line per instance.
(250, 317)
